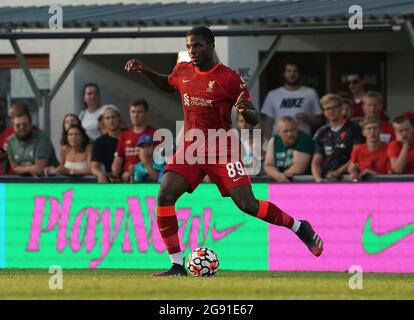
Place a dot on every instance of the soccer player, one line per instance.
(209, 90)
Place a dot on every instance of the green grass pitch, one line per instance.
(139, 284)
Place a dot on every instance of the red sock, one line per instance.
(272, 214)
(168, 226)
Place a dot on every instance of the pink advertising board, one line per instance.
(366, 224)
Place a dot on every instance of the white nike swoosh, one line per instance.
(164, 228)
(184, 81)
(237, 179)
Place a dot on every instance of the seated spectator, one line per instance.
(334, 141)
(252, 159)
(93, 109)
(29, 151)
(372, 105)
(75, 155)
(104, 147)
(147, 170)
(68, 120)
(409, 115)
(347, 109)
(16, 107)
(127, 152)
(401, 150)
(289, 152)
(370, 157)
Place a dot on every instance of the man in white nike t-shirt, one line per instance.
(293, 99)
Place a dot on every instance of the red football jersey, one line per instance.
(207, 97)
(373, 160)
(127, 147)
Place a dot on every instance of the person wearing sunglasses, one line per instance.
(355, 82)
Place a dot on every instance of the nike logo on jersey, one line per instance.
(237, 179)
(185, 81)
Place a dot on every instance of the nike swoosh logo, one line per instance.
(237, 179)
(163, 229)
(217, 235)
(374, 243)
(184, 81)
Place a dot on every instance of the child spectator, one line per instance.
(372, 105)
(401, 150)
(147, 170)
(370, 157)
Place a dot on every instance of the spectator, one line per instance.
(105, 146)
(409, 115)
(29, 151)
(370, 157)
(401, 150)
(90, 115)
(251, 158)
(347, 109)
(16, 107)
(293, 99)
(372, 105)
(127, 152)
(147, 170)
(334, 141)
(69, 120)
(289, 152)
(355, 81)
(75, 155)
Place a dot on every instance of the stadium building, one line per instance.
(252, 37)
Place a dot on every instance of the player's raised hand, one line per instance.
(134, 65)
(241, 103)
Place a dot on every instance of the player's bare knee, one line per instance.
(248, 207)
(166, 197)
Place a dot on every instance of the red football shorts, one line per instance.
(225, 176)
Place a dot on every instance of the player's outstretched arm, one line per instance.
(158, 79)
(247, 109)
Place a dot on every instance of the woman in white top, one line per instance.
(75, 155)
(90, 115)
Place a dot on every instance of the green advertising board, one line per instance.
(113, 226)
